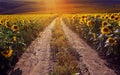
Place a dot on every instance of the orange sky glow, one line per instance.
(59, 6)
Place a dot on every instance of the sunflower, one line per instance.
(7, 53)
(89, 23)
(96, 16)
(83, 17)
(105, 30)
(106, 17)
(85, 20)
(102, 17)
(112, 17)
(7, 24)
(116, 18)
(111, 27)
(94, 35)
(81, 21)
(111, 41)
(23, 22)
(28, 21)
(0, 22)
(15, 28)
(14, 38)
(119, 23)
(104, 23)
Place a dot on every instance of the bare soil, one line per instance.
(35, 61)
(94, 64)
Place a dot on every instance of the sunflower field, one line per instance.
(16, 33)
(100, 31)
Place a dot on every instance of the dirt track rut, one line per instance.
(35, 61)
(95, 65)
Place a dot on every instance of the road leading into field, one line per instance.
(35, 61)
(94, 64)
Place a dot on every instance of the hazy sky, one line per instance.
(59, 6)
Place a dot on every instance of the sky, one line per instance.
(58, 6)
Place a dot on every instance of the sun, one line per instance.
(53, 6)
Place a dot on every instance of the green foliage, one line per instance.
(16, 34)
(100, 30)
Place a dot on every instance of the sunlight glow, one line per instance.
(53, 5)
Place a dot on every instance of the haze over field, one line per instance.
(58, 6)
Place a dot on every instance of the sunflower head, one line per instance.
(15, 28)
(90, 23)
(7, 24)
(85, 20)
(111, 41)
(106, 17)
(112, 17)
(96, 16)
(94, 35)
(111, 27)
(81, 21)
(7, 53)
(104, 23)
(116, 18)
(1, 22)
(83, 16)
(119, 23)
(105, 30)
(102, 17)
(22, 21)
(14, 38)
